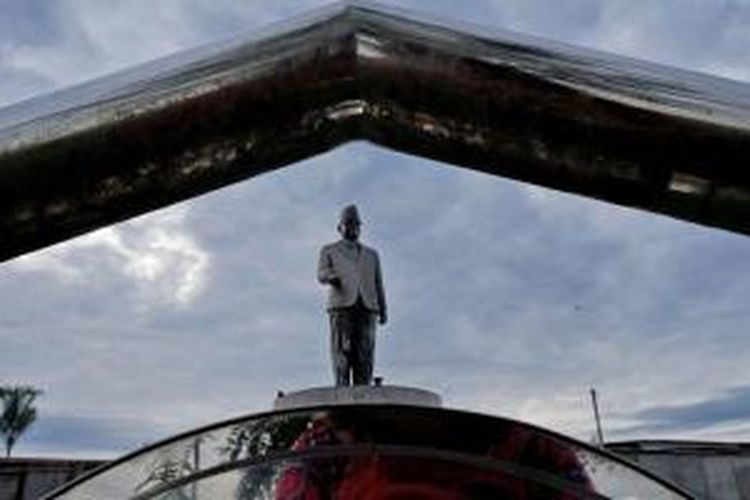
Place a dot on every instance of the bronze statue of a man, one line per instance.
(356, 299)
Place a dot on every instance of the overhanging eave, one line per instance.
(624, 131)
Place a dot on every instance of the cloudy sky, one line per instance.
(505, 298)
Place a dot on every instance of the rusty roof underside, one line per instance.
(612, 128)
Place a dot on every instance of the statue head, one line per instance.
(349, 223)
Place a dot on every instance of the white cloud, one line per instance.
(156, 254)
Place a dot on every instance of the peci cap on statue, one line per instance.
(350, 213)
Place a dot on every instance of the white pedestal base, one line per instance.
(357, 394)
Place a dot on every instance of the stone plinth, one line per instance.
(358, 394)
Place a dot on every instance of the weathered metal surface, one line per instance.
(608, 127)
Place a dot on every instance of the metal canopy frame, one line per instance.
(608, 127)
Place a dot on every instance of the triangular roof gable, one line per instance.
(604, 126)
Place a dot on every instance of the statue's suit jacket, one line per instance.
(359, 273)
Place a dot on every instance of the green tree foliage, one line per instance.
(18, 412)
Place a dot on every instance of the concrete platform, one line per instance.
(358, 394)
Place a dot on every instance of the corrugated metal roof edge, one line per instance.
(679, 447)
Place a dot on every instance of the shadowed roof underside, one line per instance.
(604, 126)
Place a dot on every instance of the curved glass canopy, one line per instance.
(369, 452)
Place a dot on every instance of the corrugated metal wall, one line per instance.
(718, 471)
(29, 479)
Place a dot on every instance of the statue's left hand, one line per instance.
(383, 319)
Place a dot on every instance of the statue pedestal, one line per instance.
(357, 394)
